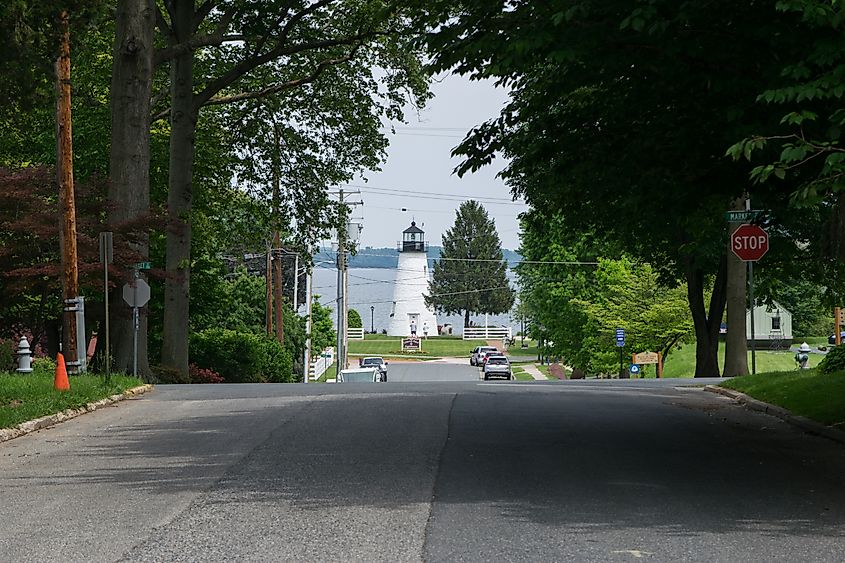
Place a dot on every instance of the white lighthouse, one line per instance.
(409, 308)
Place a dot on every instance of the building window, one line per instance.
(775, 323)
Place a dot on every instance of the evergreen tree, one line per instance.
(471, 275)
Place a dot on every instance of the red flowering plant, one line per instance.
(203, 375)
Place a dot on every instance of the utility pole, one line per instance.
(277, 244)
(341, 287)
(306, 369)
(268, 292)
(64, 161)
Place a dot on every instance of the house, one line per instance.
(772, 326)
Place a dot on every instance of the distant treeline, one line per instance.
(389, 257)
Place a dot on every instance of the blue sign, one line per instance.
(620, 337)
(634, 369)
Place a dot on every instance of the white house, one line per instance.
(411, 284)
(772, 325)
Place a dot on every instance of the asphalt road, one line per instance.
(426, 471)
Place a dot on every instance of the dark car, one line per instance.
(832, 338)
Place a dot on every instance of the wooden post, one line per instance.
(64, 172)
(837, 325)
(659, 365)
(268, 297)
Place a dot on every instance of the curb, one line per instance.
(53, 419)
(809, 426)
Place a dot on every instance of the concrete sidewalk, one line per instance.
(532, 370)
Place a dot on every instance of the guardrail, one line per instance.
(487, 333)
(321, 364)
(355, 333)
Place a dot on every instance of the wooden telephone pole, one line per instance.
(64, 169)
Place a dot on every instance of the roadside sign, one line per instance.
(646, 358)
(620, 337)
(634, 369)
(749, 242)
(743, 216)
(143, 265)
(138, 295)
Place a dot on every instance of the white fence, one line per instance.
(487, 333)
(321, 364)
(355, 333)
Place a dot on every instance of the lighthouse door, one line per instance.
(414, 321)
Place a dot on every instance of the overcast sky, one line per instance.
(418, 173)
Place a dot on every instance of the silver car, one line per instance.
(478, 353)
(497, 366)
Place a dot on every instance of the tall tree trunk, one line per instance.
(466, 318)
(129, 164)
(706, 321)
(183, 119)
(736, 344)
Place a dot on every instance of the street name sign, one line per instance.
(742, 216)
(749, 242)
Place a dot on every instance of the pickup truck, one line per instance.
(376, 362)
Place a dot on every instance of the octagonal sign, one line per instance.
(750, 242)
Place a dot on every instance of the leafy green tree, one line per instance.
(354, 319)
(620, 114)
(228, 52)
(323, 334)
(471, 275)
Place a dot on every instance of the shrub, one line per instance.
(354, 319)
(7, 356)
(202, 375)
(163, 374)
(43, 366)
(241, 357)
(833, 360)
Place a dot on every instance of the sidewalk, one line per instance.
(532, 370)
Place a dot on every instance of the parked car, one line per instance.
(476, 358)
(359, 375)
(376, 362)
(832, 338)
(497, 366)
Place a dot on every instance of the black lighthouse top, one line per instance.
(413, 239)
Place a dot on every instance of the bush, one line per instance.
(201, 375)
(354, 319)
(43, 366)
(7, 356)
(833, 361)
(163, 374)
(241, 357)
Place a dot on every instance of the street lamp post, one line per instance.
(372, 322)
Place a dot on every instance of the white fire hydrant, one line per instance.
(24, 356)
(802, 357)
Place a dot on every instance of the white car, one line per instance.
(359, 375)
(478, 353)
(375, 362)
(497, 366)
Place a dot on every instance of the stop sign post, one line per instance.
(749, 242)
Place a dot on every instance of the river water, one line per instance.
(373, 287)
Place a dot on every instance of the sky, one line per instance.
(418, 173)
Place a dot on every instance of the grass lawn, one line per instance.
(330, 373)
(681, 362)
(520, 374)
(806, 393)
(27, 397)
(392, 346)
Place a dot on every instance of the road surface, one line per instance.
(423, 471)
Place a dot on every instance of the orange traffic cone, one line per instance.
(60, 383)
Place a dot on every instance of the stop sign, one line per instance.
(750, 242)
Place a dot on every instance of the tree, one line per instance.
(471, 275)
(354, 319)
(323, 334)
(620, 115)
(299, 43)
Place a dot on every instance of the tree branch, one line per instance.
(162, 24)
(276, 88)
(215, 38)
